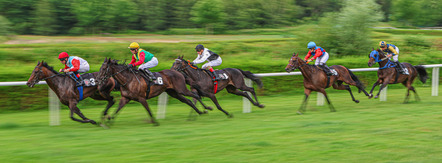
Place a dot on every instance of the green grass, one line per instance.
(371, 131)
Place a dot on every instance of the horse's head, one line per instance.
(179, 64)
(375, 56)
(40, 72)
(104, 72)
(294, 63)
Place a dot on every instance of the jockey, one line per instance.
(212, 59)
(392, 50)
(74, 64)
(320, 54)
(143, 58)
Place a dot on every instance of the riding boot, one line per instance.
(150, 74)
(400, 67)
(214, 75)
(326, 69)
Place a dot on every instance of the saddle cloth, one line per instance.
(158, 81)
(89, 80)
(221, 74)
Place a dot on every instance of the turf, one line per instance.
(371, 131)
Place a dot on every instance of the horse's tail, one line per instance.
(423, 75)
(359, 84)
(251, 76)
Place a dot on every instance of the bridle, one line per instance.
(37, 75)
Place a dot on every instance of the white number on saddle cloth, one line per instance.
(406, 71)
(159, 80)
(334, 72)
(224, 75)
(89, 82)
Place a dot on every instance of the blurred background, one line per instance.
(254, 35)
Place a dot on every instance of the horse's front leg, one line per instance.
(304, 103)
(146, 106)
(74, 109)
(372, 88)
(384, 84)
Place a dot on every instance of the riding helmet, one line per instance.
(134, 45)
(63, 55)
(311, 44)
(199, 47)
(382, 44)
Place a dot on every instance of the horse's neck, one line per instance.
(56, 82)
(306, 71)
(195, 74)
(383, 63)
(125, 77)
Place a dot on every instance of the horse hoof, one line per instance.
(104, 126)
(230, 116)
(205, 112)
(156, 124)
(357, 101)
(261, 106)
(376, 97)
(209, 108)
(298, 112)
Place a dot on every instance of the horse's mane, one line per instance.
(50, 68)
(120, 65)
(193, 66)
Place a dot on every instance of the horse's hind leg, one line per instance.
(340, 86)
(233, 90)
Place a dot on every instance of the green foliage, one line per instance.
(418, 13)
(417, 41)
(208, 13)
(44, 18)
(5, 28)
(347, 32)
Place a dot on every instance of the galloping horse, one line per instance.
(201, 82)
(134, 87)
(315, 79)
(389, 75)
(64, 87)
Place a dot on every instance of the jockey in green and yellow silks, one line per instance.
(143, 59)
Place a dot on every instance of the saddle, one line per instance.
(158, 81)
(220, 73)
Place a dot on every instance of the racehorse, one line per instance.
(315, 79)
(201, 82)
(387, 74)
(134, 87)
(64, 87)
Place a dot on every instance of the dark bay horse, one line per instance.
(134, 87)
(201, 82)
(315, 79)
(67, 93)
(389, 75)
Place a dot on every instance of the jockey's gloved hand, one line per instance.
(192, 63)
(130, 65)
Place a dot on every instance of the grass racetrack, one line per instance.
(371, 131)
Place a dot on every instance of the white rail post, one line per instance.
(54, 108)
(435, 82)
(320, 99)
(246, 108)
(383, 95)
(162, 104)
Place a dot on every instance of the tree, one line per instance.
(44, 18)
(208, 13)
(5, 27)
(348, 32)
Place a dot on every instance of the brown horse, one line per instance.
(201, 82)
(64, 87)
(387, 74)
(315, 79)
(134, 87)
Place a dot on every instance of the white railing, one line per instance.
(162, 100)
